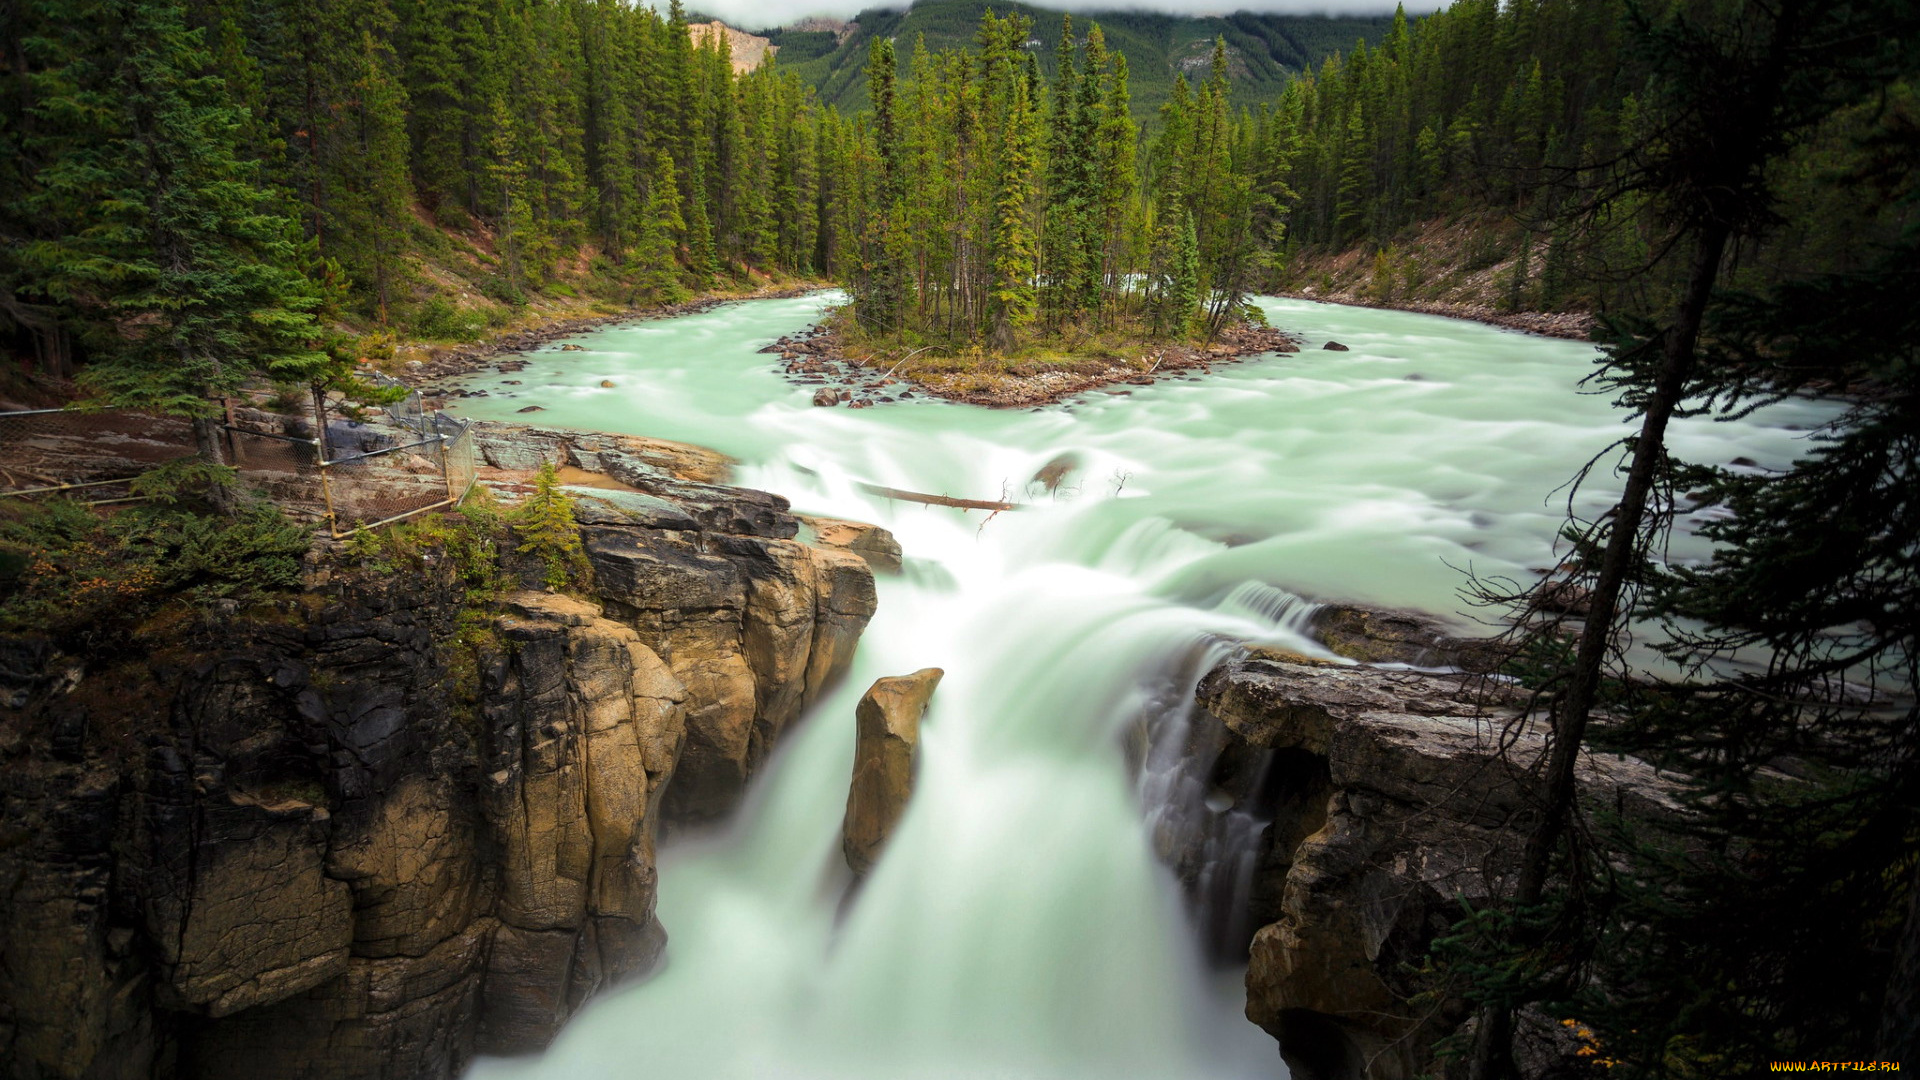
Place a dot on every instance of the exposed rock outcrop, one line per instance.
(1398, 637)
(887, 740)
(871, 542)
(748, 51)
(1413, 808)
(518, 448)
(375, 830)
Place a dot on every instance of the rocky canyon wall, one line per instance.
(1394, 795)
(371, 831)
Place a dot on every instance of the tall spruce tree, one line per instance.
(166, 241)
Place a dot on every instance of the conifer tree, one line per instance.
(514, 216)
(659, 224)
(1013, 302)
(366, 190)
(165, 238)
(879, 287)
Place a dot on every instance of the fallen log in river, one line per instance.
(936, 500)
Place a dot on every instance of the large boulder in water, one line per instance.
(888, 738)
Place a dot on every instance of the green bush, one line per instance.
(502, 290)
(438, 320)
(91, 576)
(547, 530)
(467, 541)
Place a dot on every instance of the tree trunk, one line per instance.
(1493, 1047)
(1899, 1038)
(209, 436)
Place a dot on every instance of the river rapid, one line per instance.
(1019, 924)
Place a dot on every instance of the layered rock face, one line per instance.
(1402, 805)
(362, 836)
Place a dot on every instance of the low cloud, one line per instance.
(765, 14)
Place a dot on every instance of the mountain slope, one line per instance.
(1264, 51)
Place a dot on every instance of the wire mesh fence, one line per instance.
(463, 457)
(374, 464)
(316, 454)
(87, 455)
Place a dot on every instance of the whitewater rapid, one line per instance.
(1019, 924)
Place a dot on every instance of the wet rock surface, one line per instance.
(871, 542)
(1398, 637)
(1402, 804)
(886, 741)
(363, 835)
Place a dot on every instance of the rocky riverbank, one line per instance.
(425, 363)
(374, 829)
(1572, 325)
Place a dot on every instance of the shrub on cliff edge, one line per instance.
(547, 530)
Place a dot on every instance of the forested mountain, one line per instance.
(1264, 51)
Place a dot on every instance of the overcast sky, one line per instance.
(762, 14)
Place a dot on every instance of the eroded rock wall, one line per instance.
(362, 835)
(1406, 805)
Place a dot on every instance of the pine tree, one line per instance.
(549, 532)
(1730, 99)
(166, 241)
(879, 286)
(514, 220)
(1012, 303)
(453, 71)
(660, 222)
(366, 190)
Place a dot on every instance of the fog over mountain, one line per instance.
(766, 14)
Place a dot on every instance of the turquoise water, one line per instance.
(1019, 924)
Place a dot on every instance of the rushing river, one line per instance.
(1019, 925)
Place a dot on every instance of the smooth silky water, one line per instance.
(1019, 924)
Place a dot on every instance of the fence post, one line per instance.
(326, 488)
(320, 422)
(446, 470)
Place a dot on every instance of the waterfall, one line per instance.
(1080, 866)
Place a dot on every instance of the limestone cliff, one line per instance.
(748, 51)
(362, 834)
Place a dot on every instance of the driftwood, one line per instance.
(936, 500)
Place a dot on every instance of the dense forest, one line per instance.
(1002, 202)
(427, 165)
(344, 150)
(193, 192)
(1528, 113)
